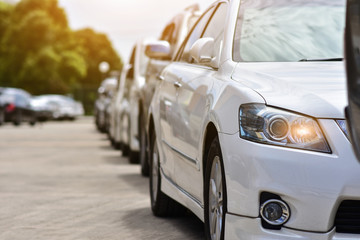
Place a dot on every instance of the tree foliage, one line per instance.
(40, 53)
(98, 48)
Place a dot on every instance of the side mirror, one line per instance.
(158, 49)
(101, 90)
(203, 50)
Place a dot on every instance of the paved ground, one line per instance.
(62, 180)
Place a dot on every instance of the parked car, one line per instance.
(16, 106)
(2, 110)
(128, 101)
(117, 106)
(105, 93)
(171, 38)
(42, 108)
(248, 129)
(352, 52)
(57, 107)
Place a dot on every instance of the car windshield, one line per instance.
(289, 30)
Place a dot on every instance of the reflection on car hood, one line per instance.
(314, 88)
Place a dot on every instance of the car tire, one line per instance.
(17, 119)
(215, 196)
(133, 157)
(143, 149)
(161, 204)
(112, 141)
(97, 121)
(125, 150)
(117, 145)
(33, 120)
(2, 118)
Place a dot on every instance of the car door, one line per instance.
(155, 67)
(192, 83)
(22, 105)
(168, 108)
(352, 49)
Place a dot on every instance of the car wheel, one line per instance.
(97, 121)
(161, 204)
(143, 153)
(215, 194)
(124, 133)
(133, 157)
(117, 145)
(33, 120)
(17, 119)
(2, 118)
(125, 150)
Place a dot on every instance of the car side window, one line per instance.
(184, 52)
(168, 33)
(130, 73)
(216, 27)
(21, 100)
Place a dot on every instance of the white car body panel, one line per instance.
(116, 107)
(129, 129)
(317, 89)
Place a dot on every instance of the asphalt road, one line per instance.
(62, 180)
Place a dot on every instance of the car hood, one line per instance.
(317, 89)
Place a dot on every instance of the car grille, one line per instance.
(347, 218)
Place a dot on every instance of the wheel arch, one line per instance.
(141, 113)
(151, 127)
(211, 132)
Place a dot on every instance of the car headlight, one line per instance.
(263, 124)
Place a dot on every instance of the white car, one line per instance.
(101, 107)
(131, 99)
(247, 125)
(171, 37)
(125, 108)
(60, 106)
(115, 108)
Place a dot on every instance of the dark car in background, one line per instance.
(16, 106)
(2, 111)
(102, 103)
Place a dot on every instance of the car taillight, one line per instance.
(10, 107)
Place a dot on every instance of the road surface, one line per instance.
(62, 180)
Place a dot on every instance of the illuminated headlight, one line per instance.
(269, 125)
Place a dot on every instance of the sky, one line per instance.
(125, 21)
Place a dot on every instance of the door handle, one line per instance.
(177, 84)
(160, 77)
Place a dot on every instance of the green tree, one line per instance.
(97, 48)
(5, 14)
(41, 53)
(5, 19)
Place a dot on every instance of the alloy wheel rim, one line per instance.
(155, 172)
(216, 195)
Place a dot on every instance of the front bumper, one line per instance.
(312, 184)
(251, 229)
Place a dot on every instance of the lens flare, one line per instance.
(304, 131)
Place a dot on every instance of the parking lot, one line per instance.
(62, 180)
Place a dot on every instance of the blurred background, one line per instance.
(56, 46)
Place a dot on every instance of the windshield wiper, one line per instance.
(321, 60)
